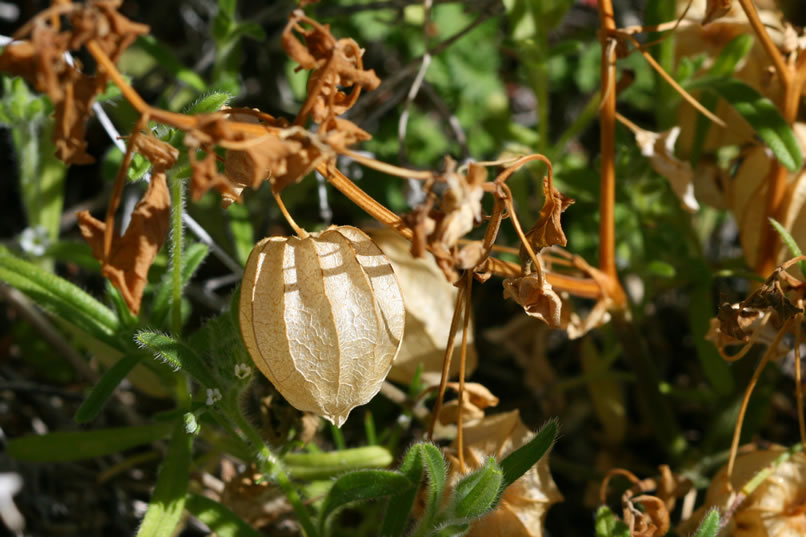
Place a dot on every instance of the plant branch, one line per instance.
(607, 125)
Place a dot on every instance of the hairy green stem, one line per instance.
(271, 466)
(177, 239)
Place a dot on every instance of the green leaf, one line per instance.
(241, 227)
(608, 525)
(101, 392)
(168, 60)
(77, 445)
(207, 104)
(700, 309)
(121, 308)
(437, 477)
(219, 518)
(660, 268)
(709, 527)
(192, 259)
(313, 466)
(451, 530)
(60, 297)
(176, 354)
(730, 56)
(477, 493)
(790, 243)
(358, 486)
(168, 501)
(519, 461)
(399, 509)
(761, 114)
(723, 66)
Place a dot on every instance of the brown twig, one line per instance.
(607, 125)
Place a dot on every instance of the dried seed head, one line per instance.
(322, 318)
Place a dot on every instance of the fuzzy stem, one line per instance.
(269, 464)
(177, 245)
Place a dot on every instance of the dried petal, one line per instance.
(131, 255)
(162, 155)
(716, 9)
(538, 300)
(322, 318)
(548, 231)
(477, 394)
(774, 509)
(659, 148)
(449, 413)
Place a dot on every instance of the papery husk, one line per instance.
(774, 509)
(430, 300)
(525, 503)
(322, 318)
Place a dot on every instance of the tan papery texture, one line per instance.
(774, 509)
(322, 318)
(430, 300)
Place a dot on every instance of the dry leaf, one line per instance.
(548, 231)
(162, 155)
(538, 299)
(322, 318)
(476, 393)
(716, 9)
(774, 509)
(429, 308)
(131, 255)
(449, 413)
(524, 504)
(659, 148)
(461, 205)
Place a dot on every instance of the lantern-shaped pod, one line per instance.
(322, 317)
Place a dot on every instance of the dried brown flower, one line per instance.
(537, 298)
(131, 255)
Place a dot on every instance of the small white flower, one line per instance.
(242, 371)
(34, 240)
(191, 425)
(213, 396)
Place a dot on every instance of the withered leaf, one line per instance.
(716, 9)
(131, 255)
(771, 296)
(658, 147)
(538, 300)
(162, 155)
(548, 231)
(476, 393)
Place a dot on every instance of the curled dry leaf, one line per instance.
(130, 256)
(449, 413)
(336, 65)
(548, 231)
(659, 148)
(537, 298)
(716, 9)
(774, 509)
(525, 503)
(41, 61)
(461, 204)
(162, 155)
(429, 308)
(322, 317)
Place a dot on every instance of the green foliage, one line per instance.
(608, 525)
(104, 388)
(168, 500)
(220, 519)
(709, 527)
(63, 446)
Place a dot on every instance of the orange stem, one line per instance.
(607, 125)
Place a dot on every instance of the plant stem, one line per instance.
(607, 125)
(177, 239)
(269, 464)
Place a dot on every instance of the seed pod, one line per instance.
(322, 318)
